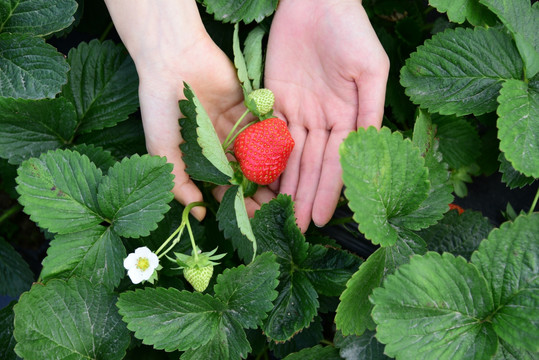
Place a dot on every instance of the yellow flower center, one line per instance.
(143, 263)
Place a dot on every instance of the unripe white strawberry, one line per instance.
(197, 268)
(260, 101)
(199, 278)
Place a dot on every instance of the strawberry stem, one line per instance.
(534, 204)
(177, 234)
(193, 244)
(229, 141)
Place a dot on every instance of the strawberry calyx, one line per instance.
(197, 259)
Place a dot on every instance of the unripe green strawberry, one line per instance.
(262, 150)
(199, 278)
(263, 100)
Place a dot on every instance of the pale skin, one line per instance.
(329, 63)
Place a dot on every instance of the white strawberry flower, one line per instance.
(141, 264)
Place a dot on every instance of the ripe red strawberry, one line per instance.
(456, 207)
(262, 150)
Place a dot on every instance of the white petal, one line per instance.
(130, 262)
(143, 252)
(136, 275)
(154, 261)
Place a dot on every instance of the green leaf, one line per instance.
(14, 271)
(36, 17)
(7, 341)
(59, 191)
(201, 325)
(460, 144)
(514, 285)
(317, 352)
(102, 84)
(386, 182)
(354, 310)
(461, 10)
(254, 54)
(202, 151)
(72, 320)
(169, 319)
(518, 128)
(135, 194)
(359, 347)
(248, 291)
(304, 268)
(425, 137)
(509, 352)
(102, 158)
(95, 254)
(439, 313)
(329, 269)
(458, 234)
(236, 11)
(233, 221)
(522, 20)
(30, 68)
(30, 128)
(240, 63)
(461, 71)
(308, 337)
(512, 178)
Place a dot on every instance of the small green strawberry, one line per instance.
(262, 150)
(260, 101)
(197, 267)
(199, 278)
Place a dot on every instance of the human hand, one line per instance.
(328, 72)
(169, 45)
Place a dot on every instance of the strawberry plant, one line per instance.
(412, 266)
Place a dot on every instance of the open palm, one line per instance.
(328, 72)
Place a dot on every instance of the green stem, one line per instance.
(9, 212)
(534, 201)
(106, 32)
(229, 141)
(193, 244)
(176, 235)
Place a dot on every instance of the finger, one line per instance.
(311, 164)
(330, 185)
(289, 179)
(371, 87)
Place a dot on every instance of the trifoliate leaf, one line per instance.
(72, 320)
(248, 291)
(303, 268)
(457, 234)
(386, 182)
(522, 20)
(317, 352)
(439, 313)
(14, 271)
(509, 260)
(236, 11)
(359, 347)
(135, 194)
(202, 150)
(30, 68)
(36, 17)
(461, 71)
(102, 84)
(234, 222)
(7, 341)
(518, 128)
(95, 254)
(240, 63)
(461, 10)
(30, 128)
(201, 325)
(59, 191)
